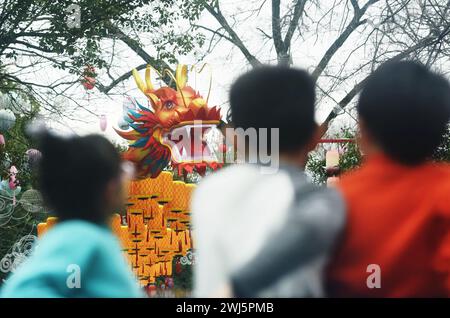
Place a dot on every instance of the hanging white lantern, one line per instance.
(33, 156)
(31, 201)
(15, 103)
(5, 101)
(7, 119)
(128, 104)
(103, 122)
(2, 140)
(123, 124)
(6, 161)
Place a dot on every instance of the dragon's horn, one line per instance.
(148, 79)
(181, 75)
(154, 100)
(140, 84)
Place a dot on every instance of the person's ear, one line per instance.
(366, 143)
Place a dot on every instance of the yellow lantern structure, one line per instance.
(41, 229)
(157, 226)
(164, 182)
(51, 221)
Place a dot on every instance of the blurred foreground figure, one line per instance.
(237, 209)
(396, 242)
(81, 179)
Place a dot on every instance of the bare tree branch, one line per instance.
(357, 88)
(352, 26)
(276, 32)
(236, 40)
(298, 11)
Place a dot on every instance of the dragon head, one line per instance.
(173, 131)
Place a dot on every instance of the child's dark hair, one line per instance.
(74, 172)
(275, 97)
(406, 109)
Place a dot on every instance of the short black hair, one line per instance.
(276, 97)
(74, 172)
(406, 109)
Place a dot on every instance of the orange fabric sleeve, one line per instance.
(442, 263)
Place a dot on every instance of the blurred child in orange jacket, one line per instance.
(397, 238)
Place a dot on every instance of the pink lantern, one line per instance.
(13, 182)
(2, 140)
(103, 122)
(169, 282)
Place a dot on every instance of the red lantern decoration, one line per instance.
(89, 80)
(178, 267)
(151, 290)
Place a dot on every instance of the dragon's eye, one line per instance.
(169, 105)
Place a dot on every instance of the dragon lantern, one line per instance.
(173, 132)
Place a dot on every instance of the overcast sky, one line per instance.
(226, 63)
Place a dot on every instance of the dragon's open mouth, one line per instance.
(189, 143)
(174, 132)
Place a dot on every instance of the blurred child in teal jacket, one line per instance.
(81, 179)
